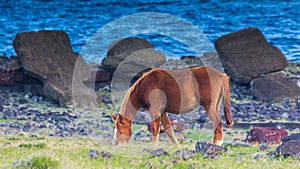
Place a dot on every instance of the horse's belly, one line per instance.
(188, 105)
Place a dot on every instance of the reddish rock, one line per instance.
(268, 135)
(246, 55)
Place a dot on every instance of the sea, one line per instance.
(175, 27)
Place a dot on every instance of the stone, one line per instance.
(275, 87)
(246, 55)
(94, 153)
(209, 150)
(186, 154)
(134, 64)
(290, 148)
(259, 156)
(48, 56)
(264, 146)
(106, 155)
(269, 135)
(294, 136)
(120, 49)
(159, 152)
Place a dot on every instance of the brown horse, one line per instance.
(175, 91)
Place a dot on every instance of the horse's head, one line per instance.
(122, 129)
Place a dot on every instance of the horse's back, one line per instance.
(182, 88)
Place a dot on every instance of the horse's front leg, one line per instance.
(155, 130)
(168, 128)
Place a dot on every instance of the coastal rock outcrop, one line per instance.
(246, 55)
(48, 56)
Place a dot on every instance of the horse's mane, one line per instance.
(132, 89)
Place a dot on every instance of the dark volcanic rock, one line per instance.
(290, 148)
(119, 50)
(209, 150)
(268, 135)
(275, 87)
(294, 136)
(159, 152)
(246, 55)
(186, 154)
(48, 56)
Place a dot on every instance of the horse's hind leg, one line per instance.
(217, 124)
(168, 127)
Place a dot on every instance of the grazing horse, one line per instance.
(175, 91)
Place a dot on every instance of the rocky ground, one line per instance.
(24, 112)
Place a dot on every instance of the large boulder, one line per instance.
(120, 49)
(246, 55)
(275, 87)
(48, 56)
(133, 64)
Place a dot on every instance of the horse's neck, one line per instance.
(128, 109)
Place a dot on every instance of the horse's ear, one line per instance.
(121, 117)
(113, 117)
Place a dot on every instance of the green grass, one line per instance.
(53, 152)
(39, 162)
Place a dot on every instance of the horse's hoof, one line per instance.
(218, 143)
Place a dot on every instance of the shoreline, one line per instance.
(26, 112)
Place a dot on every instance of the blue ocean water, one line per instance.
(278, 20)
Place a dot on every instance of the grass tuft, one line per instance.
(40, 162)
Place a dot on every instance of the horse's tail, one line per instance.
(226, 100)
